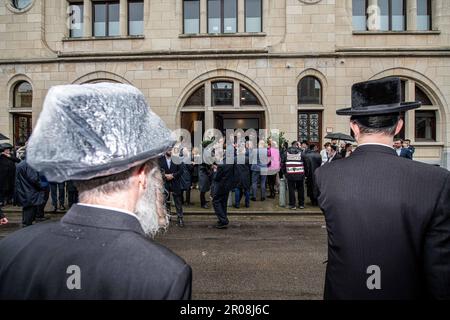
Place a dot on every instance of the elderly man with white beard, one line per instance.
(106, 139)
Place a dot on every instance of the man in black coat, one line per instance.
(388, 218)
(28, 194)
(313, 160)
(171, 171)
(7, 173)
(103, 247)
(224, 182)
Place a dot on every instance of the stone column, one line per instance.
(123, 18)
(209, 114)
(241, 16)
(236, 94)
(437, 8)
(203, 16)
(410, 121)
(411, 14)
(87, 18)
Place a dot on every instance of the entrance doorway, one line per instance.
(188, 121)
(22, 128)
(239, 120)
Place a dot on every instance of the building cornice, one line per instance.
(232, 54)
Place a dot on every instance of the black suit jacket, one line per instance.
(390, 212)
(224, 179)
(175, 169)
(116, 260)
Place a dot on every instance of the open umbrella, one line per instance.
(3, 137)
(339, 136)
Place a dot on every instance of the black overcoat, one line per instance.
(115, 260)
(389, 212)
(28, 190)
(7, 176)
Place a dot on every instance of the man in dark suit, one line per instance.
(103, 247)
(333, 154)
(388, 218)
(224, 182)
(313, 161)
(402, 152)
(171, 172)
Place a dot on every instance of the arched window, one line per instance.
(197, 98)
(309, 91)
(248, 98)
(23, 95)
(422, 97)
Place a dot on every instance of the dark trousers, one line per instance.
(187, 199)
(296, 185)
(60, 197)
(29, 214)
(41, 208)
(220, 203)
(178, 199)
(271, 180)
(202, 199)
(238, 193)
(72, 197)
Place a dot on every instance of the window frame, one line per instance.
(245, 17)
(199, 17)
(128, 17)
(366, 6)
(213, 104)
(434, 128)
(15, 88)
(222, 17)
(390, 15)
(430, 13)
(107, 3)
(321, 91)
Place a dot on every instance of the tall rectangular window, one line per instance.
(191, 16)
(253, 15)
(222, 16)
(214, 16)
(135, 18)
(359, 15)
(76, 11)
(106, 19)
(424, 15)
(398, 15)
(229, 16)
(392, 15)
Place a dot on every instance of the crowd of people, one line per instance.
(25, 187)
(387, 218)
(260, 170)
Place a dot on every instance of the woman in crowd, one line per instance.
(274, 166)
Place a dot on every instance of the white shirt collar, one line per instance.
(376, 144)
(108, 208)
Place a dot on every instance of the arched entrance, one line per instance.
(222, 103)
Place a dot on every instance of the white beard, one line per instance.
(150, 207)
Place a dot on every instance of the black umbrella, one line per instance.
(2, 137)
(339, 136)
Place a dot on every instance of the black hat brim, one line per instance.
(378, 110)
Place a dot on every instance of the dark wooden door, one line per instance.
(22, 128)
(310, 127)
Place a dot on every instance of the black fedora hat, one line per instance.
(377, 97)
